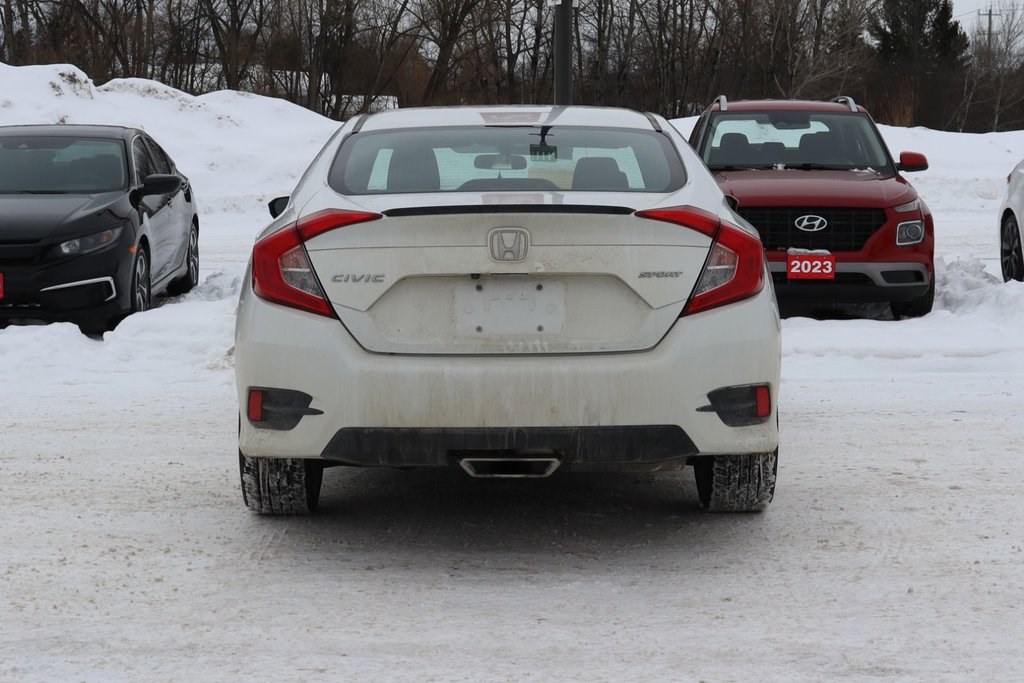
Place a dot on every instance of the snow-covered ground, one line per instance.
(893, 549)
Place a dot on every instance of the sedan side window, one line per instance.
(160, 161)
(143, 162)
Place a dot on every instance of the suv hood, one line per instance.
(815, 188)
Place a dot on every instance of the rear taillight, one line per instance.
(281, 270)
(734, 269)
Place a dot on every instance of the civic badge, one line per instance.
(508, 244)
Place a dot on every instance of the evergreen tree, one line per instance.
(920, 54)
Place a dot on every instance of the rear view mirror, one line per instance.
(790, 120)
(277, 206)
(912, 161)
(500, 162)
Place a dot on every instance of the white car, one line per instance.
(508, 291)
(1011, 257)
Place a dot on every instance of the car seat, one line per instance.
(733, 149)
(413, 169)
(598, 174)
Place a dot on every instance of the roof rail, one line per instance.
(722, 102)
(359, 123)
(848, 101)
(654, 121)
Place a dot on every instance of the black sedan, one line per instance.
(94, 222)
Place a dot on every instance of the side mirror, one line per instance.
(912, 161)
(277, 206)
(160, 183)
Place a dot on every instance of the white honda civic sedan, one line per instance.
(509, 292)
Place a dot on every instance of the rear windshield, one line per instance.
(794, 139)
(33, 164)
(515, 159)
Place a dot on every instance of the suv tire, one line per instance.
(280, 486)
(915, 308)
(736, 483)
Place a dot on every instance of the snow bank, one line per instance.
(977, 322)
(229, 144)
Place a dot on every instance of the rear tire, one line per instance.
(187, 282)
(736, 483)
(280, 486)
(915, 308)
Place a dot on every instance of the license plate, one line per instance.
(510, 305)
(811, 266)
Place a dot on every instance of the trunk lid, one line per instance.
(509, 279)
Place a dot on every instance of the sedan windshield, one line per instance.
(794, 140)
(31, 164)
(503, 158)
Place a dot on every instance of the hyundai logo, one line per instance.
(810, 223)
(508, 244)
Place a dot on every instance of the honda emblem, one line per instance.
(509, 244)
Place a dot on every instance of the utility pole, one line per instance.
(989, 14)
(563, 51)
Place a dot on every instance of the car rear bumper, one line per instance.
(856, 283)
(437, 447)
(622, 408)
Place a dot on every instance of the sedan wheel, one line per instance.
(1010, 255)
(280, 486)
(141, 294)
(736, 483)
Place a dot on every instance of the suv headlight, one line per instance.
(909, 233)
(83, 245)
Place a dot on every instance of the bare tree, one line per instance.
(445, 25)
(997, 62)
(235, 26)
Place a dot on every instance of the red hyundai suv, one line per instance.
(839, 223)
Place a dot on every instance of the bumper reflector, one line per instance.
(255, 405)
(764, 400)
(740, 406)
(282, 409)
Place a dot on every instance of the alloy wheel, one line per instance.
(141, 294)
(193, 258)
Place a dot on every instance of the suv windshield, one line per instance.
(32, 164)
(489, 159)
(794, 139)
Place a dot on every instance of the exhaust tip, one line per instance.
(510, 468)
